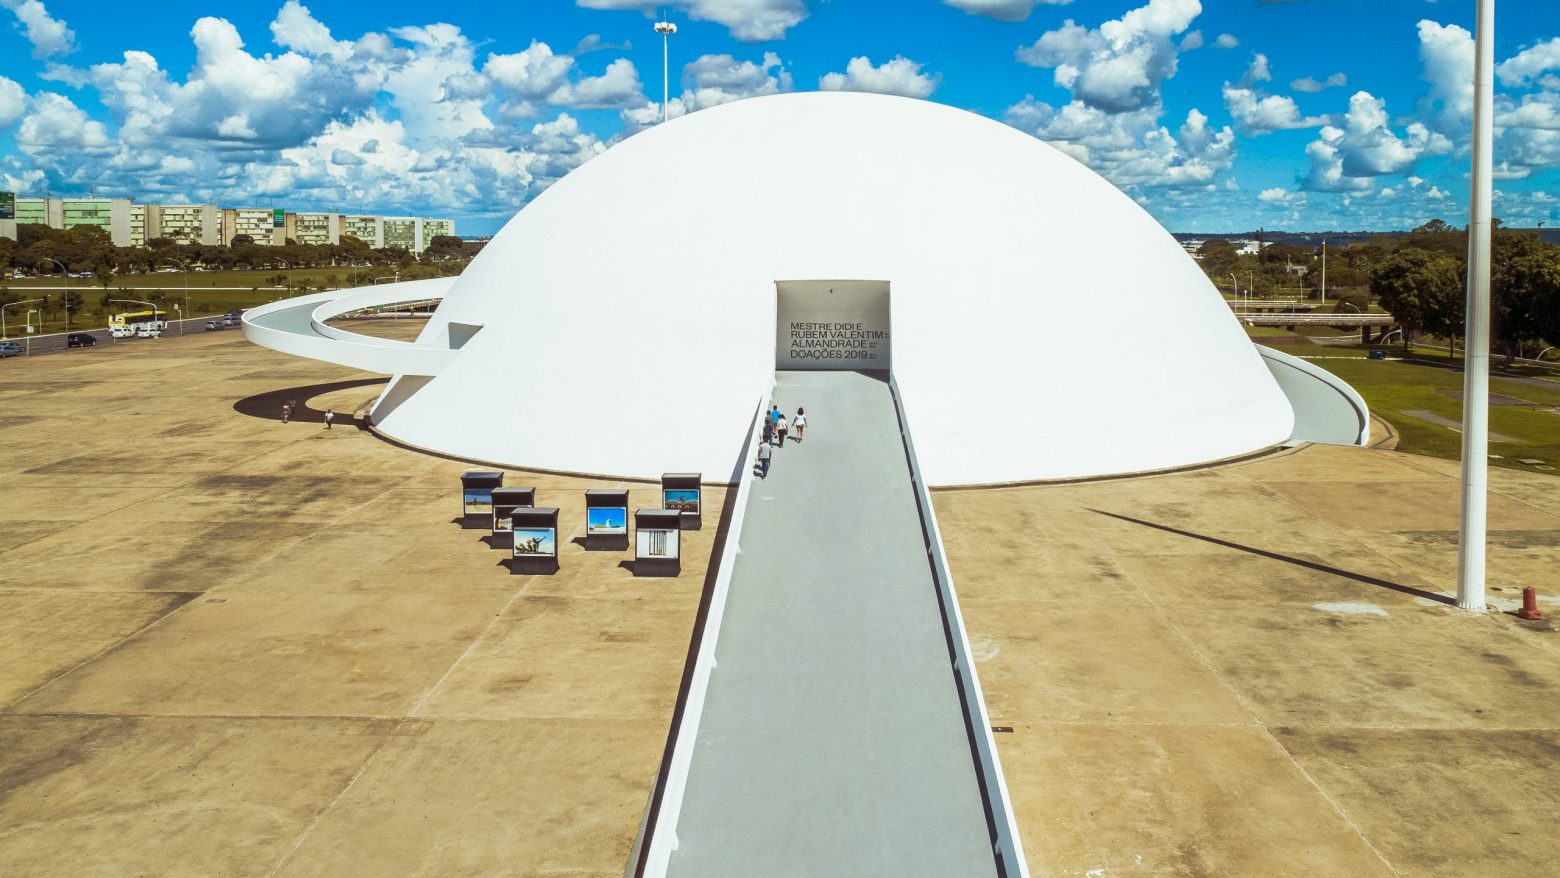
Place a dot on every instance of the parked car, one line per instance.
(213, 324)
(10, 349)
(80, 340)
(230, 320)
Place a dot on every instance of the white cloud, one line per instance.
(712, 80)
(1257, 71)
(897, 76)
(13, 101)
(49, 36)
(537, 76)
(1193, 40)
(748, 20)
(53, 122)
(1348, 159)
(1257, 113)
(1226, 41)
(297, 28)
(1002, 10)
(1277, 195)
(1311, 85)
(1121, 65)
(1446, 53)
(1116, 73)
(1526, 66)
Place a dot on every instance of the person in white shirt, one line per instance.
(800, 423)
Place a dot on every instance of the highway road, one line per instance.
(54, 342)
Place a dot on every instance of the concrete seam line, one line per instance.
(326, 809)
(1267, 732)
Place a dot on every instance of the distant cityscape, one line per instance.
(129, 224)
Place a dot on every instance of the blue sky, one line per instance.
(1216, 116)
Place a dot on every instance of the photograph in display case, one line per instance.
(657, 543)
(476, 501)
(503, 520)
(681, 499)
(606, 520)
(535, 542)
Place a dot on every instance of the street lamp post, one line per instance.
(1234, 284)
(1324, 272)
(30, 313)
(665, 29)
(186, 272)
(65, 297)
(3, 333)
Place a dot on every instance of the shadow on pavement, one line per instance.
(1289, 559)
(268, 405)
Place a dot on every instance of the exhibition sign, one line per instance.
(681, 492)
(832, 324)
(476, 489)
(606, 518)
(535, 539)
(505, 502)
(657, 542)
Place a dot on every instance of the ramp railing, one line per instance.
(1005, 842)
(658, 836)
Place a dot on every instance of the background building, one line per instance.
(8, 215)
(112, 215)
(133, 225)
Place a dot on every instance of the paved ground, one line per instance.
(1251, 670)
(833, 741)
(234, 647)
(231, 647)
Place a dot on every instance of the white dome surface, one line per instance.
(1044, 325)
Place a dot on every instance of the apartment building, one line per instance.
(133, 225)
(8, 215)
(314, 228)
(112, 215)
(263, 225)
(184, 223)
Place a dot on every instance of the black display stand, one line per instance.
(674, 495)
(506, 501)
(606, 519)
(535, 541)
(476, 491)
(657, 542)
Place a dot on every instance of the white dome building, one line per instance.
(1039, 323)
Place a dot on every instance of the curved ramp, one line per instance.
(1326, 408)
(299, 326)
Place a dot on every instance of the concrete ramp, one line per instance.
(833, 738)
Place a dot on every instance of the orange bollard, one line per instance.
(1529, 604)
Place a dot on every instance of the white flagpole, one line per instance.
(1476, 360)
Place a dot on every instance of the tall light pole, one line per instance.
(665, 29)
(1476, 355)
(4, 334)
(1324, 271)
(186, 271)
(64, 297)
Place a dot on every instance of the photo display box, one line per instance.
(535, 535)
(606, 519)
(681, 492)
(657, 542)
(505, 502)
(476, 491)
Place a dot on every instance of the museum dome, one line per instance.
(1044, 326)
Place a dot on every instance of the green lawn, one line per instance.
(244, 289)
(1393, 387)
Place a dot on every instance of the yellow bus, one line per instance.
(131, 323)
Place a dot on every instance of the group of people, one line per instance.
(777, 428)
(291, 406)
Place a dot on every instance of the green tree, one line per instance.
(1423, 290)
(1526, 299)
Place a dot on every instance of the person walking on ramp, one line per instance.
(782, 427)
(330, 415)
(765, 451)
(800, 423)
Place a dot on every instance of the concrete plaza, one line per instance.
(236, 647)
